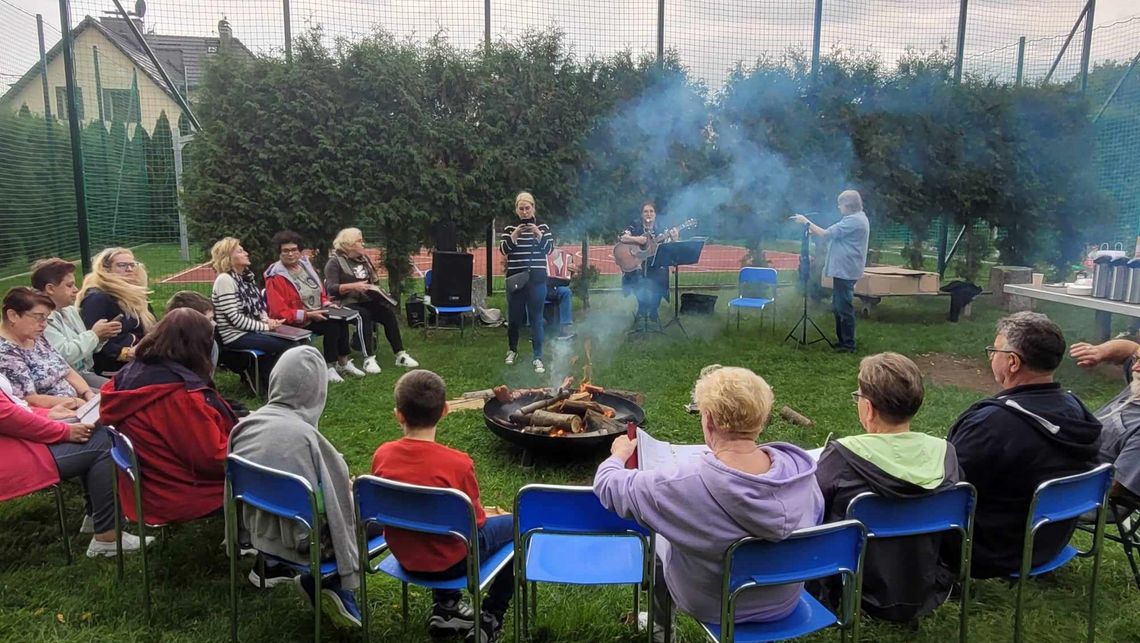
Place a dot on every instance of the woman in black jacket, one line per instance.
(116, 289)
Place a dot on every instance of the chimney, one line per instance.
(225, 34)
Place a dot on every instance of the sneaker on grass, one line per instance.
(348, 368)
(340, 606)
(131, 544)
(489, 630)
(511, 355)
(405, 360)
(334, 376)
(450, 618)
(538, 367)
(274, 575)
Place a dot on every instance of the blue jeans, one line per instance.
(562, 296)
(843, 306)
(495, 532)
(521, 304)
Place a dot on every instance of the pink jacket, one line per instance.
(24, 435)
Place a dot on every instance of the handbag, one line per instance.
(518, 281)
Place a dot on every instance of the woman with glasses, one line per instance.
(116, 290)
(293, 292)
(38, 374)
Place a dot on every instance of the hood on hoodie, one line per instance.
(760, 505)
(1058, 415)
(299, 382)
(278, 269)
(139, 385)
(914, 458)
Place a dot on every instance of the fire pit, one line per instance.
(561, 421)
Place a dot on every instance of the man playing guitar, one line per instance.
(650, 285)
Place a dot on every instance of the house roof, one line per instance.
(183, 57)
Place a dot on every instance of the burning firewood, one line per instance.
(599, 422)
(520, 415)
(546, 418)
(580, 407)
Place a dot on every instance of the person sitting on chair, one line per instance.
(116, 289)
(649, 285)
(703, 505)
(65, 329)
(902, 578)
(1120, 435)
(284, 435)
(1008, 444)
(294, 292)
(560, 265)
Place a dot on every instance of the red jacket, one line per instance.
(281, 294)
(180, 429)
(24, 436)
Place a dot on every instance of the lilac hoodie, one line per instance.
(703, 506)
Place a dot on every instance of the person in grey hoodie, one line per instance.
(702, 505)
(284, 435)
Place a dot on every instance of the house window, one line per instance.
(61, 102)
(121, 106)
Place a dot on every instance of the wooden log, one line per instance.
(598, 422)
(565, 420)
(485, 394)
(632, 396)
(502, 393)
(538, 430)
(795, 417)
(580, 407)
(519, 416)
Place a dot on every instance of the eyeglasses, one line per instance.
(855, 395)
(990, 350)
(126, 265)
(290, 251)
(39, 317)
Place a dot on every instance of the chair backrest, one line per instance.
(427, 280)
(951, 509)
(1064, 498)
(757, 275)
(429, 510)
(123, 453)
(568, 510)
(283, 494)
(807, 554)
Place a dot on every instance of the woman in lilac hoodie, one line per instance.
(702, 505)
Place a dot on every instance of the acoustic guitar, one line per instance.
(631, 256)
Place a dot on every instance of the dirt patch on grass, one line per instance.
(966, 373)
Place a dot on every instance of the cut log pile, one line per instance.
(565, 411)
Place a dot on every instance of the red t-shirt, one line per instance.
(427, 464)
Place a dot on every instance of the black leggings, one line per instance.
(335, 334)
(372, 312)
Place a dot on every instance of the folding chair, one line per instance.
(949, 510)
(1126, 514)
(427, 510)
(807, 554)
(440, 311)
(127, 463)
(1058, 500)
(559, 527)
(753, 276)
(285, 495)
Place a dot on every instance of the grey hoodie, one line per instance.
(283, 435)
(703, 506)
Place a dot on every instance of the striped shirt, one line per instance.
(229, 308)
(529, 253)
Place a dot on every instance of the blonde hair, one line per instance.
(524, 196)
(736, 399)
(131, 297)
(221, 255)
(346, 238)
(892, 383)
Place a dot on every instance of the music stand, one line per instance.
(805, 284)
(674, 255)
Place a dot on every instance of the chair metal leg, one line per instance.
(404, 604)
(533, 601)
(1026, 565)
(142, 553)
(668, 620)
(365, 566)
(1128, 539)
(315, 571)
(232, 550)
(62, 523)
(118, 508)
(1098, 541)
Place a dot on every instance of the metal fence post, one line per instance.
(1086, 50)
(660, 31)
(816, 36)
(43, 70)
(1020, 60)
(490, 226)
(959, 60)
(288, 31)
(73, 126)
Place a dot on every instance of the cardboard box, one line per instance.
(890, 280)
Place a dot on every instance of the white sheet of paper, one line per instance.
(658, 454)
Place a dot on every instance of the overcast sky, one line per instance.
(710, 35)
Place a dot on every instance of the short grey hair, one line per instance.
(1036, 338)
(850, 202)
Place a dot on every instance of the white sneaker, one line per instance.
(510, 358)
(538, 367)
(348, 368)
(130, 545)
(370, 366)
(88, 526)
(405, 360)
(334, 376)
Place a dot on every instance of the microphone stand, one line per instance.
(799, 332)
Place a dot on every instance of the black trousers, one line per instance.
(335, 334)
(371, 313)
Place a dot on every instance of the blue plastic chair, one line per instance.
(252, 355)
(1059, 500)
(807, 554)
(559, 527)
(285, 495)
(426, 510)
(462, 311)
(949, 510)
(753, 276)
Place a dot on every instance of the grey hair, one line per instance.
(1036, 338)
(850, 201)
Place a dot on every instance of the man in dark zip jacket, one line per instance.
(902, 578)
(1030, 432)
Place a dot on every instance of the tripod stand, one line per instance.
(675, 255)
(799, 332)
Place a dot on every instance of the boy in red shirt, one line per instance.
(418, 459)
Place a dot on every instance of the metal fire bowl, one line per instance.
(496, 415)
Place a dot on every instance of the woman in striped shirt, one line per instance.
(239, 308)
(526, 245)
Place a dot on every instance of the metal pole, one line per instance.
(583, 267)
(817, 34)
(180, 142)
(1115, 89)
(43, 70)
(288, 32)
(178, 97)
(487, 35)
(98, 85)
(490, 255)
(1068, 39)
(1086, 49)
(660, 31)
(1020, 61)
(961, 52)
(73, 126)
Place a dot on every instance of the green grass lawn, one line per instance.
(42, 599)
